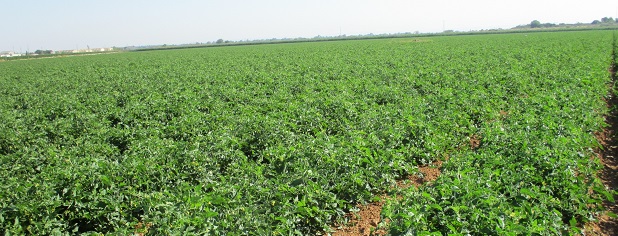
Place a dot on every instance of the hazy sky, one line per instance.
(68, 24)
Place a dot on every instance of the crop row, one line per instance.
(286, 139)
(535, 170)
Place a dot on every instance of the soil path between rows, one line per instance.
(608, 156)
(365, 222)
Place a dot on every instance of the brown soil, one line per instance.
(605, 224)
(504, 113)
(362, 222)
(429, 174)
(475, 142)
(365, 222)
(608, 157)
(141, 229)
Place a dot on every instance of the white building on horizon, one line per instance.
(9, 54)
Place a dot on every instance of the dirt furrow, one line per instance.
(608, 156)
(366, 220)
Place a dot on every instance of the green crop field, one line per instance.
(288, 138)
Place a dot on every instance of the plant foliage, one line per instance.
(285, 139)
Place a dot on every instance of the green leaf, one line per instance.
(573, 222)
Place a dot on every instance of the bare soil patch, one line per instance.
(475, 142)
(141, 228)
(365, 222)
(428, 173)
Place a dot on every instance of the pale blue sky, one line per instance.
(68, 24)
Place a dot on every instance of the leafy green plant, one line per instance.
(286, 139)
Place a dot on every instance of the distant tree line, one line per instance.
(604, 20)
(219, 41)
(538, 24)
(43, 52)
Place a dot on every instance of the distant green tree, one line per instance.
(43, 52)
(607, 20)
(546, 25)
(596, 22)
(219, 41)
(535, 24)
